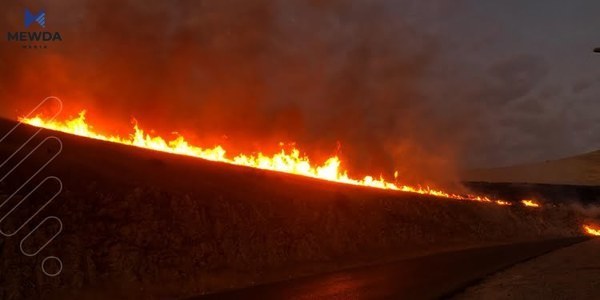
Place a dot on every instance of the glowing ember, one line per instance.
(288, 162)
(591, 230)
(530, 203)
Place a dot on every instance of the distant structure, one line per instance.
(597, 50)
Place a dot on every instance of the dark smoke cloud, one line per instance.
(258, 72)
(385, 79)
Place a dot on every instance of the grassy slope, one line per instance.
(577, 170)
(141, 223)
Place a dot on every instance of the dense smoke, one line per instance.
(251, 74)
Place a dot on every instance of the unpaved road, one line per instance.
(427, 277)
(569, 273)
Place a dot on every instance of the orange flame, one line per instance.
(500, 202)
(288, 162)
(591, 230)
(530, 203)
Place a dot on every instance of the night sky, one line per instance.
(408, 85)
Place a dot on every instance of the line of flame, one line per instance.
(289, 162)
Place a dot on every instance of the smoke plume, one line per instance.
(346, 77)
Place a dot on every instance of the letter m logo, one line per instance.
(39, 18)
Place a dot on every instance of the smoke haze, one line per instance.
(376, 77)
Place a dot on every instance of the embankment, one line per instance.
(143, 223)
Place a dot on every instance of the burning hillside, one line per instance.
(150, 224)
(288, 161)
(277, 139)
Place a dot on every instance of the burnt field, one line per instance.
(144, 223)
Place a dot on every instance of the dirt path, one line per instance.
(569, 273)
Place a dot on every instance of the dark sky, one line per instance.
(543, 48)
(409, 85)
